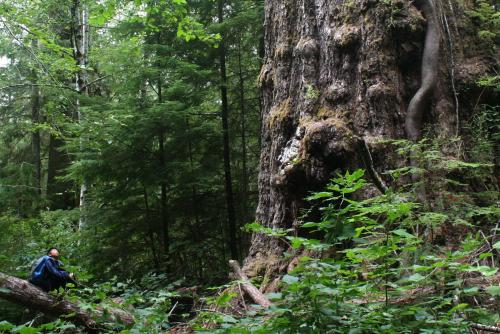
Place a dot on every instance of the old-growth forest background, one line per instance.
(131, 135)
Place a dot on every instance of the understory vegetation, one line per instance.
(383, 264)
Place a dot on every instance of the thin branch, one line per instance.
(96, 80)
(28, 49)
(172, 310)
(18, 186)
(242, 297)
(20, 26)
(36, 85)
(152, 87)
(368, 162)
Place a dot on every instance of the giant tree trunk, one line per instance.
(21, 292)
(339, 71)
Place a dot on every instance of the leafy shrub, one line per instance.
(381, 266)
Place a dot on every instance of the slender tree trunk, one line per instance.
(231, 215)
(244, 169)
(150, 230)
(151, 235)
(60, 193)
(334, 74)
(35, 137)
(194, 202)
(163, 166)
(80, 42)
(163, 195)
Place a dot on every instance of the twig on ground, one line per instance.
(242, 297)
(172, 310)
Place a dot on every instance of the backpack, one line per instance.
(37, 269)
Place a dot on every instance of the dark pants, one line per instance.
(50, 283)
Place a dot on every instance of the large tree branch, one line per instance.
(24, 293)
(249, 288)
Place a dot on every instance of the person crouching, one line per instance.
(47, 273)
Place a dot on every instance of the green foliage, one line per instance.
(149, 300)
(487, 18)
(153, 78)
(380, 269)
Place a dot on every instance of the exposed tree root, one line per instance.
(429, 68)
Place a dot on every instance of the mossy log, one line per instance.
(26, 294)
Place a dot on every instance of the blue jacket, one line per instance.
(48, 275)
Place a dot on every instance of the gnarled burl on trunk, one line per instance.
(336, 72)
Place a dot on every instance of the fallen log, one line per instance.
(248, 287)
(485, 328)
(26, 294)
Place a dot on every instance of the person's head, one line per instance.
(53, 252)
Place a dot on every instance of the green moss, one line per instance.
(279, 113)
(296, 161)
(312, 93)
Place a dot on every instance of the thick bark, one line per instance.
(22, 292)
(338, 72)
(231, 215)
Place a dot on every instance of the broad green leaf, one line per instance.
(403, 233)
(5, 290)
(416, 278)
(225, 298)
(485, 255)
(26, 330)
(494, 290)
(485, 270)
(459, 307)
(296, 242)
(6, 326)
(320, 195)
(229, 319)
(274, 296)
(288, 279)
